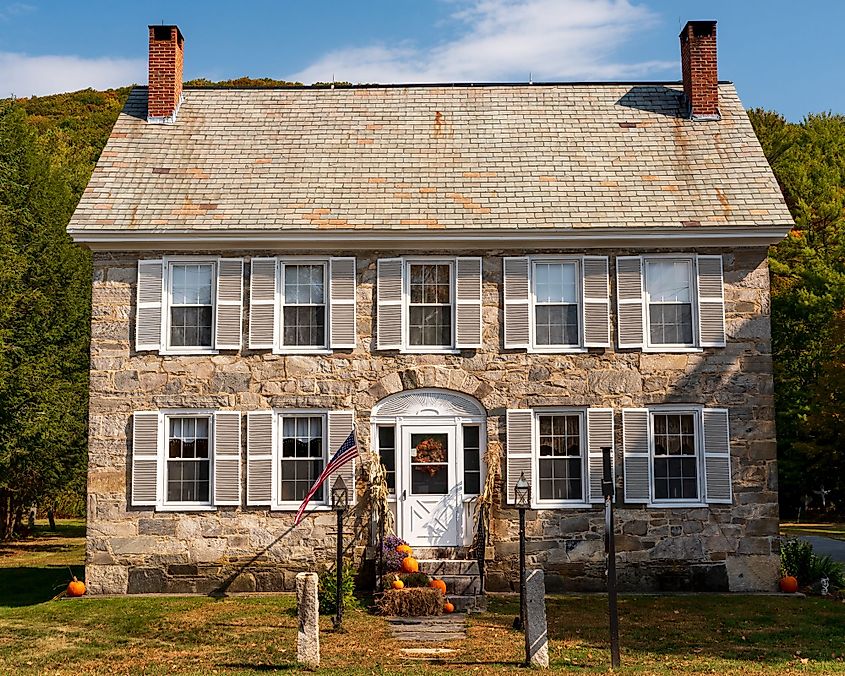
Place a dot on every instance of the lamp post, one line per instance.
(522, 497)
(340, 501)
(607, 488)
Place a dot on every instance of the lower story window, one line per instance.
(188, 460)
(472, 459)
(301, 457)
(560, 460)
(387, 454)
(675, 457)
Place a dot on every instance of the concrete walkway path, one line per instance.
(822, 546)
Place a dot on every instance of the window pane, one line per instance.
(560, 463)
(472, 459)
(188, 462)
(387, 454)
(670, 324)
(304, 325)
(430, 464)
(304, 284)
(191, 284)
(555, 283)
(302, 456)
(190, 326)
(556, 324)
(675, 463)
(430, 325)
(668, 281)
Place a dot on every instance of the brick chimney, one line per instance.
(164, 94)
(698, 65)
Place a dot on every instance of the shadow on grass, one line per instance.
(29, 586)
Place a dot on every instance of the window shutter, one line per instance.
(342, 325)
(636, 454)
(263, 308)
(227, 458)
(711, 302)
(596, 310)
(229, 306)
(389, 314)
(517, 303)
(340, 425)
(599, 434)
(520, 433)
(149, 294)
(717, 455)
(145, 432)
(468, 302)
(629, 300)
(259, 457)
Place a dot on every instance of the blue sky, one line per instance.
(782, 54)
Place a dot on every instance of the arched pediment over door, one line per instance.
(428, 402)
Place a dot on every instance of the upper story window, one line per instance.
(669, 298)
(556, 303)
(430, 305)
(191, 305)
(304, 305)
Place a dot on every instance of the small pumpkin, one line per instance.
(405, 549)
(448, 607)
(397, 584)
(438, 584)
(789, 584)
(75, 587)
(410, 565)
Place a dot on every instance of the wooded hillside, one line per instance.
(48, 148)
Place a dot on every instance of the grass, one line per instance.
(663, 635)
(831, 530)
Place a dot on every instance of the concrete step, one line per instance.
(443, 567)
(462, 585)
(469, 604)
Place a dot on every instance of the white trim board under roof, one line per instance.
(125, 239)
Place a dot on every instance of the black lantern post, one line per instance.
(340, 501)
(522, 497)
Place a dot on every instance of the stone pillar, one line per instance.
(535, 621)
(308, 611)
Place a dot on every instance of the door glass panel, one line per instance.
(429, 464)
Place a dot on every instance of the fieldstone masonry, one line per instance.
(719, 547)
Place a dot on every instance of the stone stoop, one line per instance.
(463, 582)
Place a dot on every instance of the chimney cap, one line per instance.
(699, 28)
(168, 27)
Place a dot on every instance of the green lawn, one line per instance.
(251, 635)
(831, 530)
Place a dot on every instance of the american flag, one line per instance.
(347, 452)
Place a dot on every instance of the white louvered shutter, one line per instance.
(520, 434)
(148, 307)
(263, 309)
(517, 293)
(599, 435)
(630, 301)
(259, 457)
(711, 302)
(717, 456)
(227, 458)
(636, 456)
(468, 302)
(596, 310)
(389, 313)
(340, 425)
(145, 443)
(342, 325)
(229, 306)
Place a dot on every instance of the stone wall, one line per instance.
(138, 550)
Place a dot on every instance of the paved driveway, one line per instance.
(835, 549)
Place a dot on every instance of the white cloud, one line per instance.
(24, 75)
(11, 10)
(506, 40)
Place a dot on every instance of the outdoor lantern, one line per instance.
(340, 495)
(522, 492)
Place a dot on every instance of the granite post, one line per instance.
(536, 629)
(308, 611)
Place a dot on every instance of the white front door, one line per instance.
(430, 495)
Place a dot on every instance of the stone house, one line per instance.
(477, 276)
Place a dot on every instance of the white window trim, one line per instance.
(163, 505)
(276, 504)
(536, 502)
(407, 348)
(695, 346)
(278, 329)
(482, 448)
(167, 263)
(697, 412)
(579, 290)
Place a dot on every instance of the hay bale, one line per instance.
(413, 602)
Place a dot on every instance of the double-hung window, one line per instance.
(669, 290)
(675, 456)
(555, 286)
(430, 305)
(191, 308)
(302, 443)
(560, 458)
(188, 460)
(303, 306)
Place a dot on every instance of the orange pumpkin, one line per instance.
(397, 584)
(788, 584)
(448, 607)
(410, 565)
(438, 584)
(75, 588)
(405, 549)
